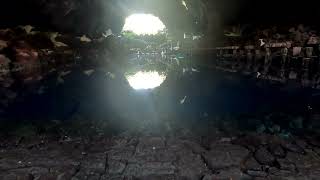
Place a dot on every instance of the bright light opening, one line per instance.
(142, 24)
(145, 80)
(185, 4)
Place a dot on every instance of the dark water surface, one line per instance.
(207, 93)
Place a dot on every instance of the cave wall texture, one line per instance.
(95, 16)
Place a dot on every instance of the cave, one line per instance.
(159, 89)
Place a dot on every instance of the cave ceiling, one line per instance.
(95, 16)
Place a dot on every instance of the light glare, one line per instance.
(145, 80)
(142, 24)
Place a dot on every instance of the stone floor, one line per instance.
(260, 157)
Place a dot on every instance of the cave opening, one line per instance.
(143, 24)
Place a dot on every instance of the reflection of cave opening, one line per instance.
(145, 80)
(142, 24)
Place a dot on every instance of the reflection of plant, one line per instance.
(159, 67)
(153, 52)
(156, 39)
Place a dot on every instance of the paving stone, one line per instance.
(111, 177)
(94, 163)
(36, 172)
(157, 177)
(160, 158)
(106, 177)
(262, 178)
(116, 167)
(124, 153)
(190, 165)
(97, 146)
(222, 156)
(280, 172)
(251, 164)
(25, 177)
(9, 177)
(175, 144)
(314, 174)
(94, 177)
(120, 142)
(150, 143)
(8, 163)
(303, 162)
(64, 176)
(272, 177)
(47, 177)
(195, 147)
(66, 170)
(287, 165)
(145, 169)
(255, 173)
(13, 159)
(263, 156)
(277, 150)
(153, 155)
(51, 159)
(228, 174)
(17, 176)
(81, 175)
(293, 148)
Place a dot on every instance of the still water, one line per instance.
(159, 86)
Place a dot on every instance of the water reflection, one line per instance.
(146, 80)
